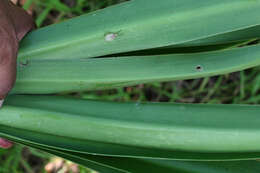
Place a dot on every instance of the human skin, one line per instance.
(15, 23)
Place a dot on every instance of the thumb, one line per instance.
(8, 54)
(14, 24)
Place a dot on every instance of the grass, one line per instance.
(240, 87)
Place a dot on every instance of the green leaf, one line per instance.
(137, 25)
(135, 165)
(52, 76)
(183, 131)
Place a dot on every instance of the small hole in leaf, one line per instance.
(199, 68)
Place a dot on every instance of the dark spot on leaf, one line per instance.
(24, 63)
(199, 68)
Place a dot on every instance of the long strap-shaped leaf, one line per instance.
(142, 24)
(151, 130)
(133, 165)
(52, 76)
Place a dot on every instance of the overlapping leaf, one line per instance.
(51, 76)
(138, 24)
(154, 130)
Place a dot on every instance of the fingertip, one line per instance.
(5, 143)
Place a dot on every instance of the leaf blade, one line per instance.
(85, 35)
(105, 73)
(192, 132)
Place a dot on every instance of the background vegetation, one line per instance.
(240, 87)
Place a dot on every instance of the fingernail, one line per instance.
(1, 103)
(5, 143)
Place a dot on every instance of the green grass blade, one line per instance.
(52, 76)
(188, 132)
(122, 28)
